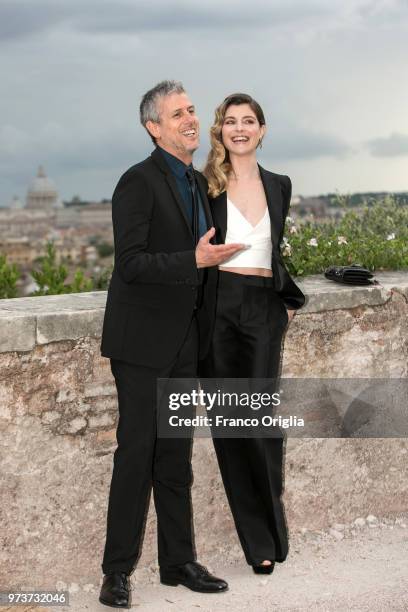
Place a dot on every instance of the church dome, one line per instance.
(42, 192)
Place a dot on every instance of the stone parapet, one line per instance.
(58, 413)
(41, 320)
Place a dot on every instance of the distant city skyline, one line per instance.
(328, 76)
(19, 201)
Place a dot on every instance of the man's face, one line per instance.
(179, 128)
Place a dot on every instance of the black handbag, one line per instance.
(349, 275)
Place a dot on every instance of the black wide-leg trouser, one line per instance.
(250, 321)
(143, 461)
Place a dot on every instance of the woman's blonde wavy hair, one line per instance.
(218, 166)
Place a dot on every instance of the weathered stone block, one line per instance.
(68, 325)
(17, 332)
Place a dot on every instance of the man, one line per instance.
(153, 320)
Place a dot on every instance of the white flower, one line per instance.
(287, 250)
(292, 229)
(391, 236)
(289, 219)
(329, 243)
(285, 240)
(312, 242)
(341, 240)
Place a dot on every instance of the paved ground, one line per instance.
(350, 568)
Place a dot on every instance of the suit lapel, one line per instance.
(219, 211)
(171, 182)
(274, 200)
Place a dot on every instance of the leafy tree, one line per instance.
(9, 274)
(50, 277)
(80, 283)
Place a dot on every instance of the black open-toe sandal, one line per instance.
(264, 569)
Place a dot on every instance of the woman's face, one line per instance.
(241, 130)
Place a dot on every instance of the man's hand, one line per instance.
(208, 254)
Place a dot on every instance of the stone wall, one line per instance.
(58, 414)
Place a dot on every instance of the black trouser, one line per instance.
(250, 321)
(142, 460)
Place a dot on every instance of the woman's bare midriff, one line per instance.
(252, 271)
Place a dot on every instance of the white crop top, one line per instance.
(259, 253)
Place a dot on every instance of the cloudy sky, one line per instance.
(331, 77)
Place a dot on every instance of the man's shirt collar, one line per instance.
(177, 167)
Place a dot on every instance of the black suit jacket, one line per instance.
(278, 191)
(155, 281)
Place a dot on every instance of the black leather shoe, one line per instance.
(264, 569)
(115, 590)
(193, 576)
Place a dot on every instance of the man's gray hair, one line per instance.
(149, 110)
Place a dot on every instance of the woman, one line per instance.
(256, 299)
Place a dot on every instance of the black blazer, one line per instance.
(278, 191)
(155, 281)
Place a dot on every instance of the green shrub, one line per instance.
(80, 283)
(51, 277)
(376, 237)
(9, 275)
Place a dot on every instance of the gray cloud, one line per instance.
(82, 149)
(73, 74)
(394, 145)
(383, 12)
(176, 16)
(292, 143)
(19, 18)
(66, 155)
